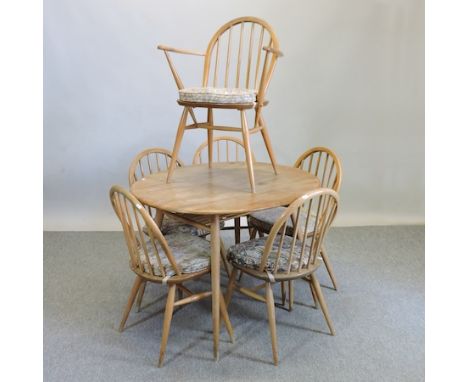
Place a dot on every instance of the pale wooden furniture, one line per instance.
(323, 163)
(162, 260)
(222, 192)
(240, 84)
(225, 149)
(279, 257)
(154, 160)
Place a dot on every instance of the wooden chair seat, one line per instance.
(264, 220)
(191, 253)
(221, 96)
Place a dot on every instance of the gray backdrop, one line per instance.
(352, 79)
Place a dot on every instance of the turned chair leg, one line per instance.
(272, 321)
(167, 322)
(131, 300)
(329, 267)
(321, 300)
(248, 152)
(269, 147)
(177, 143)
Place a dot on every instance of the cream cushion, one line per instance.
(218, 95)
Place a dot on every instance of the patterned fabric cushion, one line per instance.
(249, 254)
(217, 95)
(264, 220)
(171, 225)
(191, 253)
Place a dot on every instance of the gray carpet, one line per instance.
(378, 314)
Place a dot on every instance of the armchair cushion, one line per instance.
(218, 95)
(191, 253)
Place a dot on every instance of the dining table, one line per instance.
(218, 193)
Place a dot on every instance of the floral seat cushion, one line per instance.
(218, 95)
(249, 254)
(265, 219)
(191, 253)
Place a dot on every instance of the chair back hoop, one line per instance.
(150, 161)
(225, 149)
(311, 214)
(133, 217)
(147, 162)
(323, 163)
(243, 40)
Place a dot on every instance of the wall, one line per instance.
(352, 79)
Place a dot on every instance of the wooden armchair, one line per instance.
(281, 258)
(168, 260)
(239, 85)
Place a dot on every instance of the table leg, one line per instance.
(215, 281)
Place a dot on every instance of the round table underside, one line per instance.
(224, 189)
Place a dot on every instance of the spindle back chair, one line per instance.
(225, 149)
(152, 260)
(150, 161)
(280, 257)
(323, 163)
(240, 85)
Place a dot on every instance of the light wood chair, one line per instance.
(239, 86)
(225, 149)
(170, 260)
(157, 159)
(323, 163)
(279, 257)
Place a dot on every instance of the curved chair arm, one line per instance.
(181, 51)
(276, 52)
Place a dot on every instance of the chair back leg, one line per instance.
(269, 147)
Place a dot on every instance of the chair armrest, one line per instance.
(181, 51)
(276, 52)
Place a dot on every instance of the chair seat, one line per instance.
(191, 253)
(218, 95)
(249, 254)
(265, 219)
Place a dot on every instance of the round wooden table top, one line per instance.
(224, 189)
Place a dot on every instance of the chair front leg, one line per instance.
(167, 322)
(177, 143)
(248, 152)
(272, 321)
